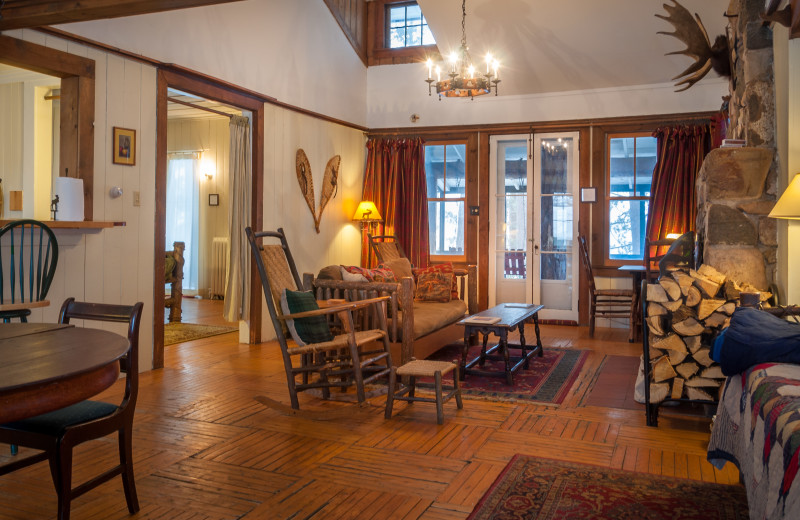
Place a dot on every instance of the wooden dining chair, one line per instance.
(604, 303)
(670, 253)
(57, 433)
(28, 259)
(323, 360)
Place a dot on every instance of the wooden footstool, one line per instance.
(424, 368)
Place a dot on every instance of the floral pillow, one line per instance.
(434, 286)
(445, 268)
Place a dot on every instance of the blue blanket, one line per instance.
(755, 337)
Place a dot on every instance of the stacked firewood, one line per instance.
(685, 312)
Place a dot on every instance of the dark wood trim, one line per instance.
(76, 155)
(18, 14)
(472, 184)
(378, 53)
(189, 72)
(584, 217)
(351, 15)
(483, 221)
(207, 88)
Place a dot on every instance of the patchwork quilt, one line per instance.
(757, 427)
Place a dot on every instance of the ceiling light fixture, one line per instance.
(463, 79)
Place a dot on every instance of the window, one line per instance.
(445, 171)
(631, 159)
(406, 27)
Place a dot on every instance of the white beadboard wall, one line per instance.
(284, 206)
(113, 265)
(213, 136)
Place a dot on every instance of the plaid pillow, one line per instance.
(304, 330)
(434, 286)
(446, 267)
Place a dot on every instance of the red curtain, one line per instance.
(395, 181)
(673, 206)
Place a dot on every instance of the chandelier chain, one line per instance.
(463, 24)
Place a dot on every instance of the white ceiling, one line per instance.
(568, 45)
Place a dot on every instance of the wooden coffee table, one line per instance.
(498, 321)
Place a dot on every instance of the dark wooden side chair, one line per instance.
(669, 253)
(28, 259)
(347, 359)
(604, 303)
(57, 433)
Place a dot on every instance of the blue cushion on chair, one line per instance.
(55, 423)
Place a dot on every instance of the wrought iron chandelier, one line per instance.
(462, 77)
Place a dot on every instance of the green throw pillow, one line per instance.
(304, 330)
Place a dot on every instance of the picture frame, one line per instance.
(589, 195)
(123, 146)
(213, 199)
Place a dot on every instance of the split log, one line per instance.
(728, 308)
(701, 381)
(697, 394)
(684, 281)
(702, 356)
(671, 342)
(712, 274)
(655, 353)
(713, 372)
(692, 343)
(655, 309)
(693, 296)
(708, 306)
(662, 370)
(706, 286)
(688, 369)
(677, 388)
(671, 287)
(675, 357)
(688, 327)
(658, 392)
(716, 320)
(731, 290)
(656, 293)
(654, 324)
(672, 306)
(683, 313)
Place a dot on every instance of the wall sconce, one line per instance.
(207, 168)
(788, 206)
(368, 215)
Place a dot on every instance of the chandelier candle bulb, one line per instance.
(438, 74)
(430, 68)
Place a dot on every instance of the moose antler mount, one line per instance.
(691, 31)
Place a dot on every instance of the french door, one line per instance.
(534, 222)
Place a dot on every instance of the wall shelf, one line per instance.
(65, 224)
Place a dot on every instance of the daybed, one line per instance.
(416, 328)
(757, 426)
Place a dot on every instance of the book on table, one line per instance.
(482, 320)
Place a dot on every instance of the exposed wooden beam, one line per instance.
(18, 14)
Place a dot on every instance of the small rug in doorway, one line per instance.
(535, 488)
(180, 332)
(615, 384)
(547, 380)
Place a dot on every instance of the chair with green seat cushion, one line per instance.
(57, 433)
(321, 360)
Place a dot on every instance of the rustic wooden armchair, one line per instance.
(350, 358)
(57, 433)
(604, 303)
(28, 259)
(386, 248)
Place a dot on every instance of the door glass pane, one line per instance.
(455, 155)
(626, 227)
(621, 168)
(554, 266)
(446, 227)
(556, 223)
(555, 165)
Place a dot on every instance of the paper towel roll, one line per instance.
(70, 199)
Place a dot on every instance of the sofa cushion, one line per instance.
(401, 268)
(313, 329)
(446, 267)
(331, 272)
(432, 316)
(434, 286)
(370, 275)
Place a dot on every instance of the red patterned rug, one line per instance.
(547, 380)
(532, 488)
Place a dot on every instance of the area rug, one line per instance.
(547, 380)
(180, 332)
(536, 489)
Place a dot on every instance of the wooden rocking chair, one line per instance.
(340, 362)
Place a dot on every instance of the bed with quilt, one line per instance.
(757, 426)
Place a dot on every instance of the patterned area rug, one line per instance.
(535, 489)
(547, 380)
(180, 332)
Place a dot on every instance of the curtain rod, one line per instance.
(180, 102)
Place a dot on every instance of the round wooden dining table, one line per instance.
(44, 367)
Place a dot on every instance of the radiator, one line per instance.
(219, 266)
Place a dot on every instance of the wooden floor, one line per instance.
(206, 449)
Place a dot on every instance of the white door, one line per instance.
(533, 223)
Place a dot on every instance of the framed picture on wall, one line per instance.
(213, 199)
(124, 146)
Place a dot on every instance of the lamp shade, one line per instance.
(788, 206)
(366, 210)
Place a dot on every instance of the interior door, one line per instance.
(534, 182)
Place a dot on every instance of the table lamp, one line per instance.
(368, 215)
(788, 206)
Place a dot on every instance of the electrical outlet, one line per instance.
(136, 200)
